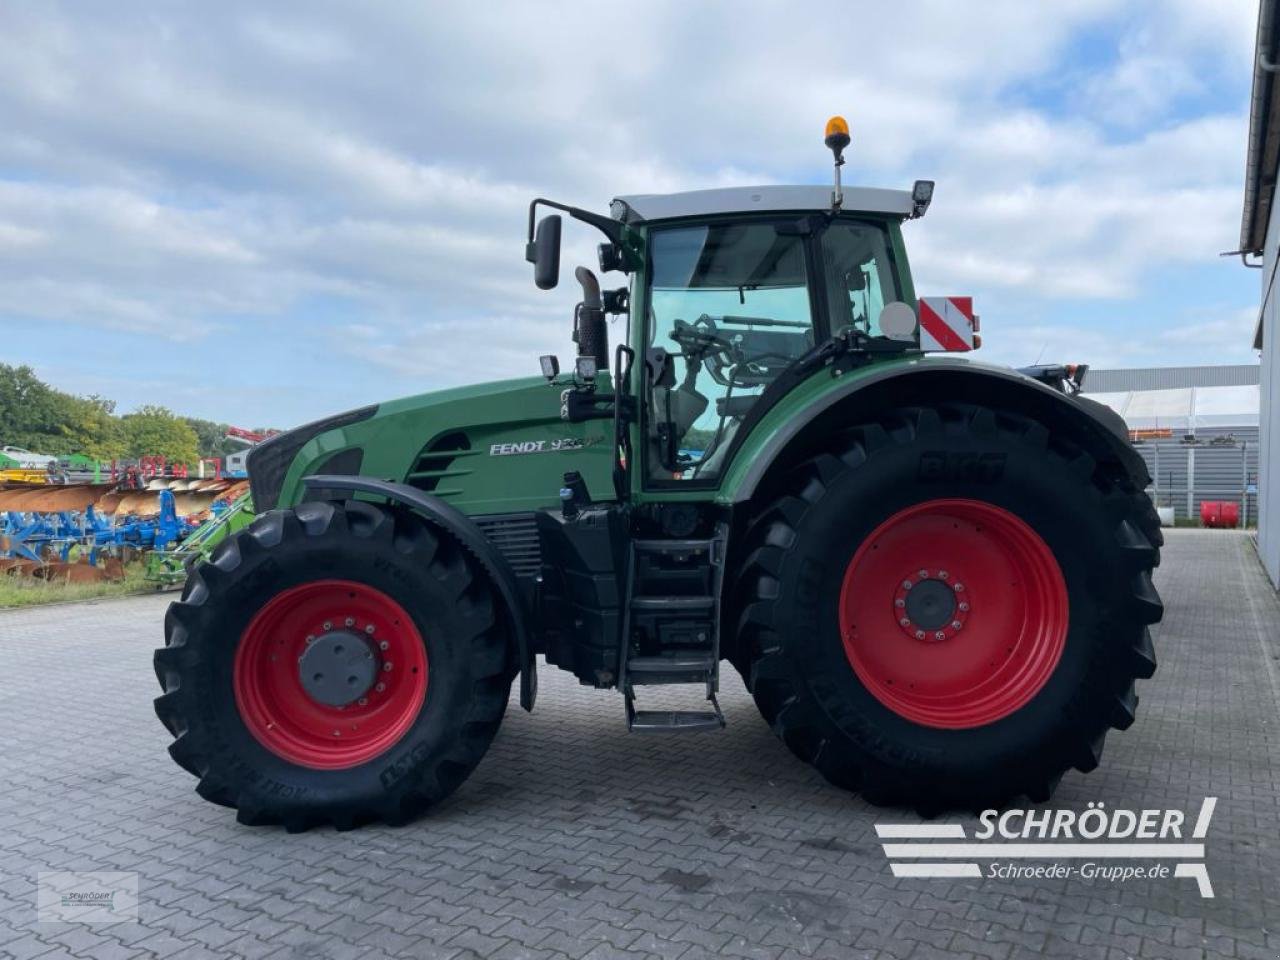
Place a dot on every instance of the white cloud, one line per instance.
(189, 169)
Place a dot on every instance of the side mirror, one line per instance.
(545, 254)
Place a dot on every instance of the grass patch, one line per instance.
(27, 591)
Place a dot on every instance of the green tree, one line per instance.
(30, 412)
(212, 437)
(156, 431)
(89, 428)
(44, 420)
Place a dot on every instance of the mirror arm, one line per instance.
(613, 229)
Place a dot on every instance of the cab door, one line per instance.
(728, 306)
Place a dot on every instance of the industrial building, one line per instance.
(1259, 240)
(1197, 429)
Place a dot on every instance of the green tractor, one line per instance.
(933, 575)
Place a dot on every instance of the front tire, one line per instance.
(335, 663)
(948, 608)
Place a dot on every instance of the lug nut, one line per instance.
(369, 629)
(939, 635)
(964, 608)
(906, 622)
(956, 624)
(380, 687)
(328, 625)
(311, 638)
(919, 634)
(383, 645)
(350, 621)
(363, 701)
(906, 584)
(959, 588)
(899, 602)
(924, 574)
(387, 665)
(943, 575)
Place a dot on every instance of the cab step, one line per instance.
(672, 604)
(671, 630)
(692, 668)
(673, 546)
(674, 721)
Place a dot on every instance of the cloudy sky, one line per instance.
(263, 213)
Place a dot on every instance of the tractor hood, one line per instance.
(496, 447)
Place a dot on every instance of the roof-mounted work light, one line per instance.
(921, 196)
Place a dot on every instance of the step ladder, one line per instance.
(671, 628)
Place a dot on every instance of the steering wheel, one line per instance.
(699, 337)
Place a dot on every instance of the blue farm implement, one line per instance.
(73, 534)
(87, 531)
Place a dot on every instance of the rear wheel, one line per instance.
(333, 664)
(948, 608)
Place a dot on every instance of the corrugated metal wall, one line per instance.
(1223, 465)
(1269, 508)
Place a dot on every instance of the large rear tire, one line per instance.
(333, 664)
(948, 608)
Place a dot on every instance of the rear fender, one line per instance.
(452, 522)
(861, 395)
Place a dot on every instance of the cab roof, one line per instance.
(646, 207)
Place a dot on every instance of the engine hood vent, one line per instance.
(438, 462)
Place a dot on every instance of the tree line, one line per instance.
(42, 419)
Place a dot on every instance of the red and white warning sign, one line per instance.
(946, 323)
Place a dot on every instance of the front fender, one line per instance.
(826, 402)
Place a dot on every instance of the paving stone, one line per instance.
(574, 839)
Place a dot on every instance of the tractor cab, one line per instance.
(730, 288)
(731, 301)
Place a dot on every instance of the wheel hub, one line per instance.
(931, 604)
(338, 668)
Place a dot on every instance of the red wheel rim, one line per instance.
(953, 613)
(284, 715)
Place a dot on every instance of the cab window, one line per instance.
(729, 305)
(858, 265)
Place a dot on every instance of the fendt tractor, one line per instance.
(933, 574)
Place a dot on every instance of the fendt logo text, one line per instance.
(1093, 844)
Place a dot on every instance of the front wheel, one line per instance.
(949, 608)
(333, 664)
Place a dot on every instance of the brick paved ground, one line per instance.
(574, 839)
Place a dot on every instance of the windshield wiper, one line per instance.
(762, 322)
